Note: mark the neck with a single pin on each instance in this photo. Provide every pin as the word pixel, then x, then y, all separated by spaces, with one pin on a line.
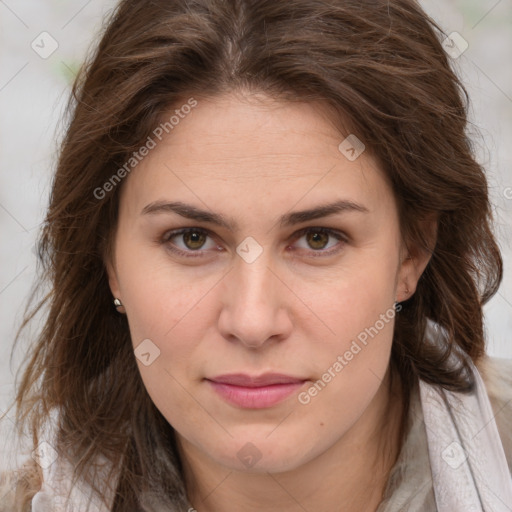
pixel 352 473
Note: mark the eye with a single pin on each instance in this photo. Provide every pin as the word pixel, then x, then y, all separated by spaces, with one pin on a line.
pixel 317 238
pixel 193 241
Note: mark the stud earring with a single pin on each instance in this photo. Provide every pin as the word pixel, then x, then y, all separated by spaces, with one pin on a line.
pixel 118 304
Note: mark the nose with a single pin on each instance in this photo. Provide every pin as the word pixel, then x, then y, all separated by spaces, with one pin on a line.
pixel 255 304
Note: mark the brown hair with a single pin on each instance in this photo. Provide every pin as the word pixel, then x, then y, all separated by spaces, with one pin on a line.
pixel 378 65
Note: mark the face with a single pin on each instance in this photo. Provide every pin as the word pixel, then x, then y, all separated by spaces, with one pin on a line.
pixel 252 287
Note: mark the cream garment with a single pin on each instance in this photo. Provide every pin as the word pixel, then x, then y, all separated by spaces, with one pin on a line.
pixel 467 459
pixel 452 460
pixel 57 494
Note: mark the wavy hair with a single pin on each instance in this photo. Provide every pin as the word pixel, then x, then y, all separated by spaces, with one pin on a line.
pixel 380 67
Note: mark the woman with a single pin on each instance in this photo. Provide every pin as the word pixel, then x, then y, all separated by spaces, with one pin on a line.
pixel 269 245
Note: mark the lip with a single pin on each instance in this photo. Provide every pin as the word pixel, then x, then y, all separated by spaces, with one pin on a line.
pixel 255 392
pixel 248 381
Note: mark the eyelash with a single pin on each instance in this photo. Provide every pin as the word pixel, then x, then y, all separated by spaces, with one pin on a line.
pixel 299 234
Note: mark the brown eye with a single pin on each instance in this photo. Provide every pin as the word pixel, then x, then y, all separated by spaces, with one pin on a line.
pixel 194 239
pixel 191 242
pixel 320 241
pixel 317 239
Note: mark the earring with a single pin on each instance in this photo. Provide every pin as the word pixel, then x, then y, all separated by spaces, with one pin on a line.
pixel 118 304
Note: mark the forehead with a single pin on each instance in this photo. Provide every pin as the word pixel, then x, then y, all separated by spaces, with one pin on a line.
pixel 254 127
pixel 257 150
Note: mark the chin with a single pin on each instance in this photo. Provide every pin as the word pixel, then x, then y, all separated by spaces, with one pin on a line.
pixel 261 454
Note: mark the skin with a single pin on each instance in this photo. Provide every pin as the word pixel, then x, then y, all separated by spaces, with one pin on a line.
pixel 253 159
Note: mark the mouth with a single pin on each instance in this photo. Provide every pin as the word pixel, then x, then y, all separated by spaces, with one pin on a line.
pixel 255 392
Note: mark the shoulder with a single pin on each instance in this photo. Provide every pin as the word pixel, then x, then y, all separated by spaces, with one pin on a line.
pixel 497 376
pixel 17 487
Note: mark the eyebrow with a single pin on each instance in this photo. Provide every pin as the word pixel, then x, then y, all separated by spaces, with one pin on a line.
pixel 289 219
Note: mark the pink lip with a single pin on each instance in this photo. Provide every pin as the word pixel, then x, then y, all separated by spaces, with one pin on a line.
pixel 255 392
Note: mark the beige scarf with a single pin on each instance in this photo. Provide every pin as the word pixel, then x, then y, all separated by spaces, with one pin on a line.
pixel 454 458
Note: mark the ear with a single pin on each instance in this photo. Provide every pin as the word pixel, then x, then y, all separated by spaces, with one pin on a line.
pixel 113 281
pixel 414 259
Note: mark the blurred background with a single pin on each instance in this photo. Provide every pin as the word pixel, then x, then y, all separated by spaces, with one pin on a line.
pixel 42 43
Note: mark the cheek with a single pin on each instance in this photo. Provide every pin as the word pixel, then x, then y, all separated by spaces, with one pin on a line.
pixel 167 317
pixel 352 360
pixel 350 375
pixel 174 329
pixel 352 299
pixel 159 296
